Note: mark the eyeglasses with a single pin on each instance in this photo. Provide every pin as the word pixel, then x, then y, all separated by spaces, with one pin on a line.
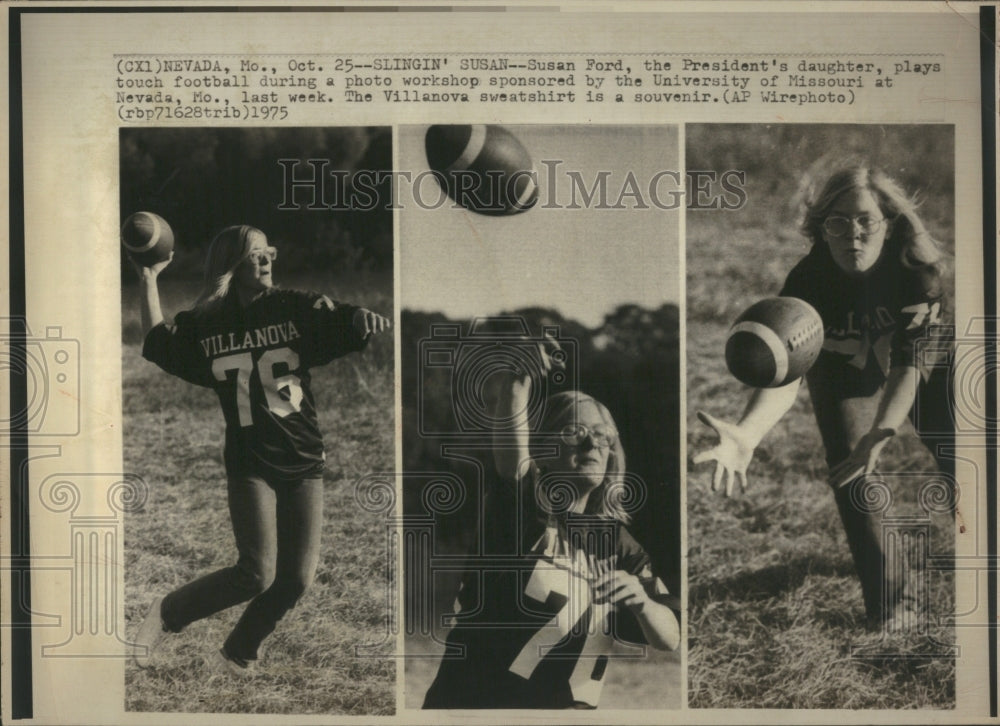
pixel 601 435
pixel 839 226
pixel 258 256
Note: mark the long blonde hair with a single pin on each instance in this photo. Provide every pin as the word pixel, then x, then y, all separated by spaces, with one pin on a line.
pixel 908 237
pixel 230 247
pixel 607 499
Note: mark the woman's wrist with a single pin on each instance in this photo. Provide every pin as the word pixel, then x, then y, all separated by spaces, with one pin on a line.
pixel 638 603
pixel 748 434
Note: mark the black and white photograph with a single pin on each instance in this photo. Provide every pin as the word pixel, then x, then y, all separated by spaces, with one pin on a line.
pixel 254 279
pixel 824 494
pixel 407 363
pixel 541 412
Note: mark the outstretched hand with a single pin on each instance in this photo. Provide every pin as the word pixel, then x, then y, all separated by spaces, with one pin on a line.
pixel 368 323
pixel 863 459
pixel 732 455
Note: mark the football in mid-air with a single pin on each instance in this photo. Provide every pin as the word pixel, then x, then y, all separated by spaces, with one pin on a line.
pixel 774 342
pixel 484 168
pixel 147 238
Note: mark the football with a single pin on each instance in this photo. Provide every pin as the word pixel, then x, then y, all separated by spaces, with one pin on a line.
pixel 147 238
pixel 484 168
pixel 774 342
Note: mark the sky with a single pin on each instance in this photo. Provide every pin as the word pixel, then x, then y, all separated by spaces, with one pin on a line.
pixel 583 262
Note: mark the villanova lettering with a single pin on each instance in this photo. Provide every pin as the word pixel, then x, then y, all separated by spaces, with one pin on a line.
pixel 881 323
pixel 256 338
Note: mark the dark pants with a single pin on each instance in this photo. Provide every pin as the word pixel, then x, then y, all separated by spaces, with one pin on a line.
pixel 277 530
pixel 845 401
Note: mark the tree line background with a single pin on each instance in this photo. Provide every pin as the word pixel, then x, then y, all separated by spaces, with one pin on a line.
pixel 630 363
pixel 203 179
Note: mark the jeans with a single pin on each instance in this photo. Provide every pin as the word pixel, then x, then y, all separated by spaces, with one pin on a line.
pixel 277 529
pixel 845 401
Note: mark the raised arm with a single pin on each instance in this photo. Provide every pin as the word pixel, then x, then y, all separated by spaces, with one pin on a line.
pixel 734 451
pixel 149 293
pixel 511 443
pixel 510 394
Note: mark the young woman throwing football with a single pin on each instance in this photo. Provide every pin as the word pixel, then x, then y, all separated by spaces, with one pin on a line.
pixel 559 577
pixel 253 344
pixel 875 275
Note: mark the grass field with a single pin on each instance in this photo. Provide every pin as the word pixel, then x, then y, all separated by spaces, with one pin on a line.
pixel 173 439
pixel 632 369
pixel 774 604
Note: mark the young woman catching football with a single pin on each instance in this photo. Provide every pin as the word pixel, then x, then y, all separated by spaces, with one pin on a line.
pixel 559 578
pixel 253 344
pixel 876 277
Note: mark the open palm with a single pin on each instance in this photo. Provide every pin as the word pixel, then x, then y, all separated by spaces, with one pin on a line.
pixel 732 454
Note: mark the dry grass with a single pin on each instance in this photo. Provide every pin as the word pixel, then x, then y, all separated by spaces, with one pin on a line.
pixel 173 439
pixel 775 611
